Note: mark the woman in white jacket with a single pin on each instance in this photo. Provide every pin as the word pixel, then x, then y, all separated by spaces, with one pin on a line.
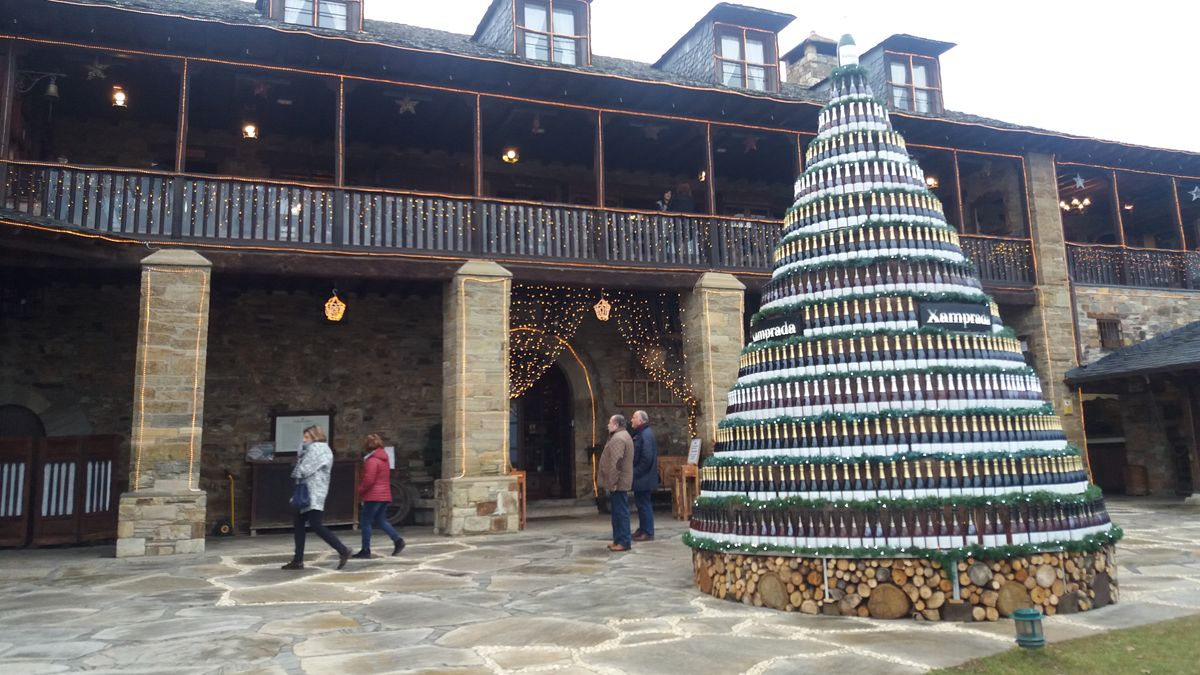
pixel 313 467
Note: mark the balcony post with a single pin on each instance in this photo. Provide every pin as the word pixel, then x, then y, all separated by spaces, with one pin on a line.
pixel 338 220
pixel 7 95
pixel 713 339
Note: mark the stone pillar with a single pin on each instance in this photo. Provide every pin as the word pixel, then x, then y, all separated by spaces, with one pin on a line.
pixel 1049 325
pixel 476 494
pixel 712 342
pixel 164 512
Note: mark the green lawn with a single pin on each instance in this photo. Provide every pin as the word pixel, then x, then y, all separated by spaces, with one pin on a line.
pixel 1167 647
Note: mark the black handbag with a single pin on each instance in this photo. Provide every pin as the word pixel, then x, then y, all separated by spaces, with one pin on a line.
pixel 300 498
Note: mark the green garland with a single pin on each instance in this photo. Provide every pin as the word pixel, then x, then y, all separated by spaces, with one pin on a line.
pixel 947 557
pixel 920 297
pixel 848 70
pixel 723 460
pixel 870 224
pixel 866 194
pixel 881 332
pixel 1092 493
pixel 1043 410
pixel 935 370
pixel 867 260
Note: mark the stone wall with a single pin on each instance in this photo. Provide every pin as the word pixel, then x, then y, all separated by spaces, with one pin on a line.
pixel 1144 313
pixel 380 369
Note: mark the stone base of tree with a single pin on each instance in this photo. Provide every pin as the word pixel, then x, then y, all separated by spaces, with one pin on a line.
pixel 160 522
pixel 467 506
pixel 894 588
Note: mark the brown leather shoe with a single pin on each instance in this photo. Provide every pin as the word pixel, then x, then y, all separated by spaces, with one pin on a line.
pixel 617 548
pixel 642 536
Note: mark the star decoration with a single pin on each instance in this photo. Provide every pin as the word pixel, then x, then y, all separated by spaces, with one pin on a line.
pixel 407 105
pixel 651 131
pixel 750 144
pixel 95 71
pixel 262 89
pixel 1079 182
pixel 1195 193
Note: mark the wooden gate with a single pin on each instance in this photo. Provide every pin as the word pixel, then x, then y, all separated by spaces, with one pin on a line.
pixel 57 490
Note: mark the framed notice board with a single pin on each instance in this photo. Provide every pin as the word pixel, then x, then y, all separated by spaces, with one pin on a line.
pixel 287 428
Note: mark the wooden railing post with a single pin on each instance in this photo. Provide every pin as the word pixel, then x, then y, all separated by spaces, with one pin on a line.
pixel 177 206
pixel 340 218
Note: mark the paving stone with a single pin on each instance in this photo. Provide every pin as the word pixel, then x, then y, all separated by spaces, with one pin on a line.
pixel 65 650
pixel 417 582
pixel 406 611
pixel 642 638
pixel 1057 629
pixel 709 625
pixel 478 564
pixel 161 583
pixel 34 667
pixel 529 631
pixel 47 617
pixel 912 644
pixel 361 642
pixel 530 657
pixel 528 584
pixel 268 670
pixel 842 662
pixel 699 655
pixel 390 661
pixel 1128 615
pixel 229 651
pixel 265 576
pixel 171 629
pixel 354 578
pixel 298 592
pixel 320 622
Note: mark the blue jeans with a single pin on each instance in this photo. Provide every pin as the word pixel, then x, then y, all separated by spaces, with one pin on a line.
pixel 373 514
pixel 645 509
pixel 619 505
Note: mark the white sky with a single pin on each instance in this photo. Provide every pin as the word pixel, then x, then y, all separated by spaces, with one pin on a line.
pixel 1123 71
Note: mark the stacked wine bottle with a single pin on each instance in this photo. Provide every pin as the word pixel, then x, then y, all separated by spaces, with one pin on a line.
pixel 882 409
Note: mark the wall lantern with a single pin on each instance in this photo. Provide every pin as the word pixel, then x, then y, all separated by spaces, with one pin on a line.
pixel 1128 206
pixel 511 156
pixel 602 309
pixel 932 182
pixel 335 309
pixel 119 98
pixel 703 176
pixel 1028 622
pixel 250 131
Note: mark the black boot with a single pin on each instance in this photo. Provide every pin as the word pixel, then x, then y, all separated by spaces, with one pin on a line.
pixel 398 547
pixel 365 553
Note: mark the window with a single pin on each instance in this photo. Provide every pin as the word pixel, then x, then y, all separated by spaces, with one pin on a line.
pixel 1110 333
pixel 552 30
pixel 746 59
pixel 319 13
pixel 914 83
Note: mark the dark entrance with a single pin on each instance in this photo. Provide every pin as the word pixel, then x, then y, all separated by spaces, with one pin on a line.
pixel 540 442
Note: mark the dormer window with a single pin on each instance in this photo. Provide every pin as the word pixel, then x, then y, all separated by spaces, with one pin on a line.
pixel 332 14
pixel 553 30
pixel 913 83
pixel 747 59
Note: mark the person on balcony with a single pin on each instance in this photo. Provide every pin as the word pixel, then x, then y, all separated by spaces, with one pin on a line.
pixel 683 201
pixel 664 204
pixel 645 474
pixel 375 492
pixel 314 464
pixel 616 477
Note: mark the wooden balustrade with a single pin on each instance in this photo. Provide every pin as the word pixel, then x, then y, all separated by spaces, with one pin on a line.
pixel 1143 268
pixel 143 204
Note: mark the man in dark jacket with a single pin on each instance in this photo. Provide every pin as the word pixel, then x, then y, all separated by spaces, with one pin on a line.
pixel 645 474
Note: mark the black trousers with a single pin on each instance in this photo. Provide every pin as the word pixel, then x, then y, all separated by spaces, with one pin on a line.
pixel 313 520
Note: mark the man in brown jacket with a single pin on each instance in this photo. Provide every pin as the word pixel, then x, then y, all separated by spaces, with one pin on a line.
pixel 616 476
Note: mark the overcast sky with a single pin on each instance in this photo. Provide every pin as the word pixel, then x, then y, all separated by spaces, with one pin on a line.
pixel 1127 71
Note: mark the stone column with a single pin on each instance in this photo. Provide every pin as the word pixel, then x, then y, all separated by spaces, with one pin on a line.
pixel 164 512
pixel 1049 325
pixel 476 494
pixel 712 342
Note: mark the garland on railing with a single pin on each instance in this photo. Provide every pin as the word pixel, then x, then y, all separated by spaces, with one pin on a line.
pixel 947 557
pixel 881 332
pixel 769 312
pixel 1041 497
pixel 932 370
pixel 1043 410
pixel 722 459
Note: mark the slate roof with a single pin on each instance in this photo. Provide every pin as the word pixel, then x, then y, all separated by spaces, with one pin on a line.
pixel 1175 350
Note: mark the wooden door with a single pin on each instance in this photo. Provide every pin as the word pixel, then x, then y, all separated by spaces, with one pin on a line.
pixel 16 480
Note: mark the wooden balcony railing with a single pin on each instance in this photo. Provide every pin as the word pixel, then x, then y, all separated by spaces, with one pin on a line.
pixel 1144 268
pixel 143 204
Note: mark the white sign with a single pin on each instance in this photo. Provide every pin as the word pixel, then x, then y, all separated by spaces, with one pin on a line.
pixel 391 453
pixel 694 452
pixel 289 430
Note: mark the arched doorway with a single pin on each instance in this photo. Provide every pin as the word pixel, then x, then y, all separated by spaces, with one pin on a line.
pixel 540 438
pixel 17 420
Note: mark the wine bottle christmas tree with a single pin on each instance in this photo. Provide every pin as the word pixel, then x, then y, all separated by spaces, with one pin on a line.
pixel 884 418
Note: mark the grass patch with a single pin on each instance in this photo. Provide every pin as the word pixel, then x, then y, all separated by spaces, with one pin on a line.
pixel 1166 647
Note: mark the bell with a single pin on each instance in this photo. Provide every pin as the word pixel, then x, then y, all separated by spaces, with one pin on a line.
pixel 52 89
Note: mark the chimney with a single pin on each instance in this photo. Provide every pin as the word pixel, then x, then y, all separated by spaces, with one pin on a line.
pixel 811 61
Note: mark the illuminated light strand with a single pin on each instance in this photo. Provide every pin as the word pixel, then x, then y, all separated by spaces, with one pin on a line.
pixel 462 382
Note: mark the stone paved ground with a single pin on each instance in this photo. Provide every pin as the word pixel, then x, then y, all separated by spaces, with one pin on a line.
pixel 550 599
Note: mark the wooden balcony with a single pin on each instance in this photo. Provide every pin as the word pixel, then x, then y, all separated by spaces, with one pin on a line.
pixel 232 212
pixel 1135 267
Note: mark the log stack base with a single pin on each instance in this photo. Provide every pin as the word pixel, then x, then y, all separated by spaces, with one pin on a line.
pixel 894 588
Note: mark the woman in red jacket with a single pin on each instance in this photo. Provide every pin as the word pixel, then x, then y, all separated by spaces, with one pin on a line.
pixel 375 491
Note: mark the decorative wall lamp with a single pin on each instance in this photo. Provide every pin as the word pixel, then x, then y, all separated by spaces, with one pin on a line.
pixel 250 131
pixel 602 308
pixel 119 98
pixel 932 182
pixel 28 79
pixel 1076 204
pixel 510 156
pixel 1028 623
pixel 335 309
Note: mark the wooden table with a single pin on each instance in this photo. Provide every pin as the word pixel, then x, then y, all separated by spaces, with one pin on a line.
pixel 685 490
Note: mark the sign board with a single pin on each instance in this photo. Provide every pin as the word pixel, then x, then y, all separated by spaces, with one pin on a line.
pixel 288 429
pixel 694 452
pixel 958 316
pixel 391 453
pixel 781 326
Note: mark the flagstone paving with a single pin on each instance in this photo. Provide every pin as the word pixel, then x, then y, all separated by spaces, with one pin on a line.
pixel 548 600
